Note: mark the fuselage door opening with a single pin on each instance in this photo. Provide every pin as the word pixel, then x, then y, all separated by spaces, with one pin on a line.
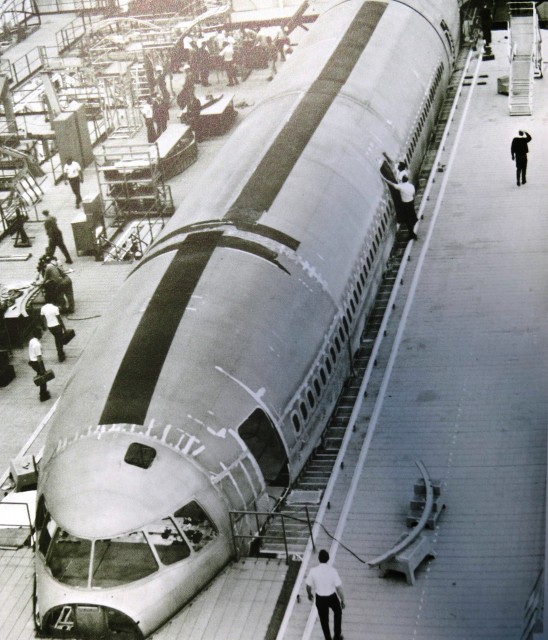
pixel 265 444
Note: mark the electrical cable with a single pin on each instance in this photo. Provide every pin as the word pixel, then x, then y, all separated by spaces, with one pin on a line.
pixel 330 535
pixel 342 544
pixel 72 318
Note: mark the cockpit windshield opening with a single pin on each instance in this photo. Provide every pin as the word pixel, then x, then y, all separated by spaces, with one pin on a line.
pixel 107 563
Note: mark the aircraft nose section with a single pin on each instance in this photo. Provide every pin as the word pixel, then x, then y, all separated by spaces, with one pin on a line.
pixel 101 487
pixel 91 622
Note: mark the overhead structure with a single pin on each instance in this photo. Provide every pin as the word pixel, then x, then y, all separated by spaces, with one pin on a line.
pixel 525 56
pixel 18 18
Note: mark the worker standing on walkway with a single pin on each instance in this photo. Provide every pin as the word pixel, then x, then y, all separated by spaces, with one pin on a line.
pixel 55 236
pixel 36 361
pixel 486 20
pixel 74 176
pixel 62 284
pixel 324 581
pixel 519 151
pixel 53 322
pixel 148 116
pixel 227 54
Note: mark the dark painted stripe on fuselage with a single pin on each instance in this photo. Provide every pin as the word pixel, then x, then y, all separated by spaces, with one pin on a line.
pixel 258 229
pixel 137 377
pixel 260 191
pixel 213 225
pixel 229 242
pixel 132 390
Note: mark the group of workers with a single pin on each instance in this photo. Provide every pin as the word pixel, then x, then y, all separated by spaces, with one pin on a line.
pixel 227 52
pixel 57 288
pixel 196 58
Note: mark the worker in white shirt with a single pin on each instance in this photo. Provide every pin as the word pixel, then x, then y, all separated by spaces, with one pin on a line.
pixel 148 116
pixel 54 322
pixel 325 582
pixel 74 176
pixel 406 213
pixel 37 362
pixel 227 54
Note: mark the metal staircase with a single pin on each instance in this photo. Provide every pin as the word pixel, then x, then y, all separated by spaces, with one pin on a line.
pixel 525 56
pixel 290 533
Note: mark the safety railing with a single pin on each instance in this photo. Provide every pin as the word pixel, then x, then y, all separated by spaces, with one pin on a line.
pixel 68 6
pixel 69 35
pixel 16 528
pixel 262 521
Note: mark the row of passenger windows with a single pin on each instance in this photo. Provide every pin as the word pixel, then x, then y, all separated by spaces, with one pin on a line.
pixel 427 104
pixel 319 382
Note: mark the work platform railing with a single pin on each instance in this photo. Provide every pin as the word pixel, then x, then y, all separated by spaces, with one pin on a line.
pixel 16 527
pixel 525 55
pixel 263 519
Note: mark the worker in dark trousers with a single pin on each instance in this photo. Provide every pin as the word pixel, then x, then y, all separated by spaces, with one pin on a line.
pixel 21 237
pixel 519 151
pixel 406 209
pixel 37 362
pixel 486 20
pixel 160 114
pixel 148 116
pixel 325 583
pixel 203 63
pixel 74 176
pixel 52 320
pixel 55 236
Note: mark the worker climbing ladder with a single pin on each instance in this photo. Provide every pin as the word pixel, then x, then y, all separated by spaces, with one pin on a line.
pixel 525 56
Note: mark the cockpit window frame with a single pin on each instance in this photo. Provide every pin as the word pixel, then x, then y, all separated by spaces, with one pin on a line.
pixel 209 519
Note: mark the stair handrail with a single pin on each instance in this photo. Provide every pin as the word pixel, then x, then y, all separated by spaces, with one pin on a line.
pixel 261 530
pixel 418 527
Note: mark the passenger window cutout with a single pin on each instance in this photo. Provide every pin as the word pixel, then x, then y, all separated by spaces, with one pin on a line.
pixel 140 455
pixel 195 525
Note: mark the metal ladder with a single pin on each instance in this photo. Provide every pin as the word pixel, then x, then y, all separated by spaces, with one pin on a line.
pixel 525 56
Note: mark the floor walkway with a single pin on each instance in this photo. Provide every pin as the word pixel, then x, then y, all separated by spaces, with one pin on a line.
pixel 465 393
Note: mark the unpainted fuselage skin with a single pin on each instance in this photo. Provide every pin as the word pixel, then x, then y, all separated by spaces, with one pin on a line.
pixel 237 326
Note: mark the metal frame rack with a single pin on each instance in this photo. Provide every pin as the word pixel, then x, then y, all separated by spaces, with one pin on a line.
pixel 18 18
pixel 131 182
pixel 19 187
